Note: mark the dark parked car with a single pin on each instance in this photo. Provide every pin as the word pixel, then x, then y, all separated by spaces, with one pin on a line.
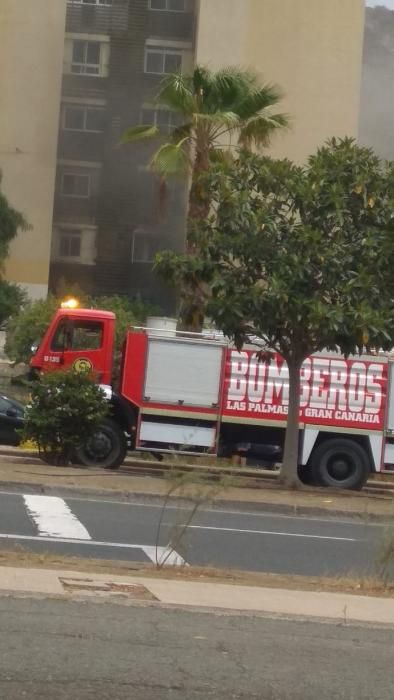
pixel 11 419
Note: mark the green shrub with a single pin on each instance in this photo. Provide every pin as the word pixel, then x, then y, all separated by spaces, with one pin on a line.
pixel 65 409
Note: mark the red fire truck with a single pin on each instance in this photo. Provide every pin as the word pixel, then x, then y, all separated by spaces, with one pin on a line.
pixel 196 394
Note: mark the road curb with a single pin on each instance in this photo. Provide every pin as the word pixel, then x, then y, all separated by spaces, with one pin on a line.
pixel 254 506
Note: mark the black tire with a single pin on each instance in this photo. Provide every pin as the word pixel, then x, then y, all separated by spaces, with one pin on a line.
pixel 305 475
pixel 340 463
pixel 107 448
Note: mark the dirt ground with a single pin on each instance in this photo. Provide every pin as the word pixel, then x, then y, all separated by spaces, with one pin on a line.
pixel 373 586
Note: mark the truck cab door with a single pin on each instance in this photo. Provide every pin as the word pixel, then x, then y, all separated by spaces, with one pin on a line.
pixel 77 343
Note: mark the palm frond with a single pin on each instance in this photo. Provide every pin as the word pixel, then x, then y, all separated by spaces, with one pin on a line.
pixel 233 75
pixel 143 132
pixel 221 156
pixel 176 92
pixel 257 100
pixel 171 159
pixel 231 85
pixel 225 119
pixel 183 131
pixel 259 131
pixel 221 90
pixel 202 80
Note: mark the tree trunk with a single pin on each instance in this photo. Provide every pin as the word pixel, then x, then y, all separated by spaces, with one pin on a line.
pixel 192 307
pixel 289 471
pixel 199 203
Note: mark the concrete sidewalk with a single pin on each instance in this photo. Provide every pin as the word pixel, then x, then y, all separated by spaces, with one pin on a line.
pixel 342 607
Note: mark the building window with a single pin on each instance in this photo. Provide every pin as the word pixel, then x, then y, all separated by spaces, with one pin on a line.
pixel 165 119
pixel 86 57
pixel 74 243
pixel 81 118
pixel 162 61
pixel 70 244
pixel 167 5
pixel 144 247
pixel 90 2
pixel 75 185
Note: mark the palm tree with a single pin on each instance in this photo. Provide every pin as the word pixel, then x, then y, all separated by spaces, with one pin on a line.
pixel 217 112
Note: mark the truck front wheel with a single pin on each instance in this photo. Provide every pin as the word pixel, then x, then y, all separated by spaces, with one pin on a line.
pixel 341 464
pixel 107 447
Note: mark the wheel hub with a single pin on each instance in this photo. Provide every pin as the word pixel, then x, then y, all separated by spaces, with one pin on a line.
pixel 99 446
pixel 340 468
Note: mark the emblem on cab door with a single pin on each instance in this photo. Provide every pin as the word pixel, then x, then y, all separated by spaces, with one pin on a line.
pixel 82 365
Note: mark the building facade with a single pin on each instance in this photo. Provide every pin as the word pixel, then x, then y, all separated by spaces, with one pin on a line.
pixel 31 59
pixel 377 92
pixel 311 48
pixel 109 218
pixel 108 222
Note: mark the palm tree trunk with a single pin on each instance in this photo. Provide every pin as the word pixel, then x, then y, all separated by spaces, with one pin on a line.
pixel 199 202
pixel 192 308
pixel 289 471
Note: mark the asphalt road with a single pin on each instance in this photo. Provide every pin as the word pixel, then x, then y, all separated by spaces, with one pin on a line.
pixel 84 651
pixel 216 537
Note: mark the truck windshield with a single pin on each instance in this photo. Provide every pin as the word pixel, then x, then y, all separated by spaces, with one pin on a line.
pixel 79 335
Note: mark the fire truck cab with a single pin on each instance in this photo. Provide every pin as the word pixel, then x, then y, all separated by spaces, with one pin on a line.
pixel 196 394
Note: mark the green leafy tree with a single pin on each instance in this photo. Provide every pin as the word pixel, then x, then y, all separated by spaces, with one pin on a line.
pixel 11 221
pixel 216 110
pixel 12 299
pixel 27 328
pixel 65 410
pixel 301 258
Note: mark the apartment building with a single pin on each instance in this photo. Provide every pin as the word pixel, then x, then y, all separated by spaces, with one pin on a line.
pixel 377 91
pixel 109 218
pixel 31 59
pixel 108 222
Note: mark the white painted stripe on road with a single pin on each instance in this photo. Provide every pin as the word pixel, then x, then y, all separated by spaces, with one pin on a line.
pixel 164 555
pixel 171 556
pixel 270 532
pixel 53 517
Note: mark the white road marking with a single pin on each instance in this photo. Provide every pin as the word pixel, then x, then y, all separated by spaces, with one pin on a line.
pixel 173 559
pixel 270 532
pixel 53 517
pixel 164 554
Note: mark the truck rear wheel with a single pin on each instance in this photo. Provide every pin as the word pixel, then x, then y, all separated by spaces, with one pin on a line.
pixel 341 464
pixel 106 448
